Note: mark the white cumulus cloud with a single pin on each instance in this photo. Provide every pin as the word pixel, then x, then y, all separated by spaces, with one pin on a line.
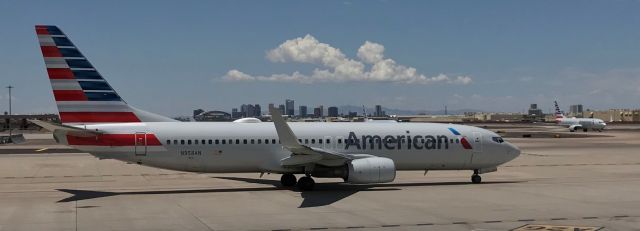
pixel 335 66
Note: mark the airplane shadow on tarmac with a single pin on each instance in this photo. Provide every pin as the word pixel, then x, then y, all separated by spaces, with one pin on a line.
pixel 323 194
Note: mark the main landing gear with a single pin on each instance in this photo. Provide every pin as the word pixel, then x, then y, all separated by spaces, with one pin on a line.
pixel 288 180
pixel 305 183
pixel 475 178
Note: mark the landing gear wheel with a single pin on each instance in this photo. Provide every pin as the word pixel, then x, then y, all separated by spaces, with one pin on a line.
pixel 288 180
pixel 306 183
pixel 476 179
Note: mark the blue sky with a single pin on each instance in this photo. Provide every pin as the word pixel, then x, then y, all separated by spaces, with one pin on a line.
pixel 172 56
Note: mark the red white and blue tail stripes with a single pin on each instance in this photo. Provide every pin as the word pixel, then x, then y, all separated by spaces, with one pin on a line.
pixel 81 94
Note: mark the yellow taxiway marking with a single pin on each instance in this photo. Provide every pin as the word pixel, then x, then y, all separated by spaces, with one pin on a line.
pixel 42 149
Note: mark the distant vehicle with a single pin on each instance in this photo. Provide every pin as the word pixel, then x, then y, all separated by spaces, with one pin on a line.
pixel 95 119
pixel 575 124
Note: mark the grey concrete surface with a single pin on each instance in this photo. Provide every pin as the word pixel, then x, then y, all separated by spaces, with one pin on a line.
pixel 570 181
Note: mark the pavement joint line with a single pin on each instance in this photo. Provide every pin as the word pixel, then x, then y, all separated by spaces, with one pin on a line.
pixel 468 223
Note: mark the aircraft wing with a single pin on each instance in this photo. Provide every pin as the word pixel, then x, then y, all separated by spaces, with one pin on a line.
pixel 75 131
pixel 302 154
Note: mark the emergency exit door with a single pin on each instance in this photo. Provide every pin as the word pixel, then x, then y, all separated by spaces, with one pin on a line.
pixel 140 144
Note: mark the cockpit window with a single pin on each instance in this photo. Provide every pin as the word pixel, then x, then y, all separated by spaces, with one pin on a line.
pixel 497 139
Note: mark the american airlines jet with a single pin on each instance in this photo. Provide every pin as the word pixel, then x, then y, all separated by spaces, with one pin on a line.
pixel 95 119
pixel 578 123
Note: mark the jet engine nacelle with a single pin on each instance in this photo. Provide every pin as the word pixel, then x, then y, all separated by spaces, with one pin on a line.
pixel 575 127
pixel 371 170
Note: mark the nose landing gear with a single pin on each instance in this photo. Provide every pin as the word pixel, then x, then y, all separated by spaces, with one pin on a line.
pixel 475 178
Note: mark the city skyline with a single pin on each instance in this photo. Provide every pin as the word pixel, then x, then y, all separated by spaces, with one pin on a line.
pixel 404 55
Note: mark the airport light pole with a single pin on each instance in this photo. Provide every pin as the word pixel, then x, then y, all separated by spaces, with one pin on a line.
pixel 10 87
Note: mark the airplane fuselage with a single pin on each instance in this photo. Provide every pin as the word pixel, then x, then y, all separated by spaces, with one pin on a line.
pixel 217 147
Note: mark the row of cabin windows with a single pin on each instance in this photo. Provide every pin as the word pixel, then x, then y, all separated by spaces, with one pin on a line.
pixel 244 141
pixel 273 141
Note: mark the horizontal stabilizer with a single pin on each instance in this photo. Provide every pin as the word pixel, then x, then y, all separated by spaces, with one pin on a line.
pixel 74 131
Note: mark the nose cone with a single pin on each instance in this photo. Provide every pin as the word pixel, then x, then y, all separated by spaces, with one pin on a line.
pixel 512 152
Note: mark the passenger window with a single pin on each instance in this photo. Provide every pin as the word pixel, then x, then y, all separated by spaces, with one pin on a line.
pixel 259 141
pixel 306 141
pixel 313 141
pixel 273 141
pixel 175 142
pixel 451 141
pixel 203 142
pixel 168 141
pixel 328 141
pixel 182 142
pixel 217 141
pixel 266 141
pixel 299 140
pixel 252 141
pixel 237 141
pixel 319 141
pixel 188 141
pixel 339 141
pixel 244 141
pixel 457 140
pixel 224 141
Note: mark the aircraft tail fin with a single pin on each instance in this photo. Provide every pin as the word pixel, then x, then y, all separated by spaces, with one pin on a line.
pixel 82 95
pixel 559 114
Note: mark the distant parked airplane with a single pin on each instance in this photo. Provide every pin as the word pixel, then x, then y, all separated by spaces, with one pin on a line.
pixel 578 123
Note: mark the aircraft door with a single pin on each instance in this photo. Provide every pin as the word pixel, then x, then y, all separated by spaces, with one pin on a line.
pixel 140 141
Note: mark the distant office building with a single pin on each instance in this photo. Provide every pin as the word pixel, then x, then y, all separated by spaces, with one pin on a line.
pixel 257 111
pixel 281 108
pixel 353 114
pixel 534 113
pixel 249 110
pixel 302 111
pixel 235 113
pixel 270 106
pixel 317 112
pixel 534 110
pixel 378 111
pixel 333 112
pixel 289 107
pixel 576 110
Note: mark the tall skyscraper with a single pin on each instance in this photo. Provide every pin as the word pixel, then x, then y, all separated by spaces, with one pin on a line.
pixel 317 112
pixel 289 107
pixel 378 112
pixel 257 112
pixel 333 112
pixel 281 108
pixel 302 111
pixel 235 113
pixel 576 110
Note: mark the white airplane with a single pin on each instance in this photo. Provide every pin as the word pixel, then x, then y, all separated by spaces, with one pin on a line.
pixel 96 120
pixel 575 124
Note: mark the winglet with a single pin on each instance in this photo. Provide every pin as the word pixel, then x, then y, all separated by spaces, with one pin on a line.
pixel 286 136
